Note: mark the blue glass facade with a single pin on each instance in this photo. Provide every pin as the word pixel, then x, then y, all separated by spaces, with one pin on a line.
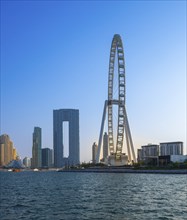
pixel 37 148
pixel 71 116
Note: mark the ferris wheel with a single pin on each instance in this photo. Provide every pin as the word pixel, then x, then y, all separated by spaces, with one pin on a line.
pixel 115 149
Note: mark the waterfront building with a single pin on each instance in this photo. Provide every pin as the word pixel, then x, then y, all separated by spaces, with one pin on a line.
pixel 36 148
pixel 148 153
pixel 46 157
pixel 7 151
pixel 150 150
pixel 27 162
pixel 178 158
pixel 105 146
pixel 167 159
pixel 72 117
pixel 94 152
pixel 171 148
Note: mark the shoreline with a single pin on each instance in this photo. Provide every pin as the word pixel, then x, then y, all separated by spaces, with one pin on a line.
pixel 109 170
pixel 116 170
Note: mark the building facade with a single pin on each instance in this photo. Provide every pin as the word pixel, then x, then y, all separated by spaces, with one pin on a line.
pixel 178 158
pixel 27 162
pixel 171 148
pixel 37 148
pixel 148 152
pixel 72 117
pixel 105 146
pixel 46 157
pixel 94 152
pixel 7 150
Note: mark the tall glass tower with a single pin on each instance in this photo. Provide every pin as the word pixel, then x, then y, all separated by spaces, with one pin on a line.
pixel 72 117
pixel 37 148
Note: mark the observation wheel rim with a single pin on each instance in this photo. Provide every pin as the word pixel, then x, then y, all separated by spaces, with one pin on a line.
pixel 116 47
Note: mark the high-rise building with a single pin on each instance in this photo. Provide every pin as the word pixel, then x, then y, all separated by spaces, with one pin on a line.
pixel 71 116
pixel 52 157
pixel 105 146
pixel 2 154
pixel 94 152
pixel 14 154
pixel 7 151
pixel 46 157
pixel 37 148
pixel 171 148
pixel 27 162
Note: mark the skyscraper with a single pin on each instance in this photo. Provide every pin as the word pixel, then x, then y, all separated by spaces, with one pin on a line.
pixel 105 146
pixel 36 148
pixel 71 116
pixel 7 151
pixel 94 152
pixel 46 157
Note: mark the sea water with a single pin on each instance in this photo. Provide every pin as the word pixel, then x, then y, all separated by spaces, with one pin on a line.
pixel 71 196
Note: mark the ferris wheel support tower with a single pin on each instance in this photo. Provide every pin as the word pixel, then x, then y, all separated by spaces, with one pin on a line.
pixel 122 124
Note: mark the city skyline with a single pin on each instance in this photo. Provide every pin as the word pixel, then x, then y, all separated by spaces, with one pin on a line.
pixel 58 59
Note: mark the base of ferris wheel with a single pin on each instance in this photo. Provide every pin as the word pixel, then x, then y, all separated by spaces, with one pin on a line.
pixel 113 161
pixel 117 158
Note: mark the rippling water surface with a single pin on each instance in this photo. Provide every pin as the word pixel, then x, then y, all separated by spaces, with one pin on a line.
pixel 55 195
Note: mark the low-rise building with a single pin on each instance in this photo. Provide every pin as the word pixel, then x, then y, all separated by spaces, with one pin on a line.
pixel 178 158
pixel 148 153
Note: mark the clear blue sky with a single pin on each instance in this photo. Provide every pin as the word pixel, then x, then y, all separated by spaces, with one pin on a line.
pixel 54 54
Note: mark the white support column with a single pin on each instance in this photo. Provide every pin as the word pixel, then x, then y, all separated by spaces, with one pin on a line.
pixel 129 137
pixel 127 142
pixel 101 131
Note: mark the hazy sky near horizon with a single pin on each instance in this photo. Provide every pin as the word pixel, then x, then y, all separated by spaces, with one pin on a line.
pixel 55 54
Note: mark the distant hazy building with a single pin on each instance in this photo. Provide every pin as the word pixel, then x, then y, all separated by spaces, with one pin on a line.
pixel 36 148
pixel 46 157
pixel 14 154
pixel 105 146
pixel 71 116
pixel 15 164
pixel 171 148
pixel 139 155
pixel 94 152
pixel 7 151
pixel 27 162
